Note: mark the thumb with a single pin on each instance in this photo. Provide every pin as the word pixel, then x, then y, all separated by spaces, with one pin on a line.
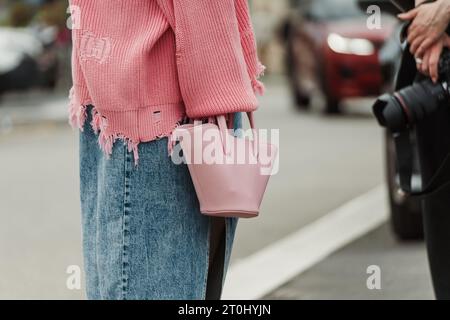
pixel 411 14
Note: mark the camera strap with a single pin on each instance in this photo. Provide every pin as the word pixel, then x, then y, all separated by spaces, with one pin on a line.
pixel 405 158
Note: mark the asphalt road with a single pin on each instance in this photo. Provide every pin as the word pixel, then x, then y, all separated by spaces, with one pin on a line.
pixel 324 162
pixel 403 272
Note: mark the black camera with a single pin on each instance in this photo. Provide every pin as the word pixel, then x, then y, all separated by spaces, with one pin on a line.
pixel 411 104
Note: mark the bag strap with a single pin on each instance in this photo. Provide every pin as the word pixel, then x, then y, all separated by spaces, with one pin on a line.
pixel 223 128
pixel 405 158
pixel 439 181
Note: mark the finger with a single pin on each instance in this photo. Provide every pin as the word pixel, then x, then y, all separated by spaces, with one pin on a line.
pixel 434 61
pixel 426 44
pixel 412 36
pixel 425 63
pixel 413 27
pixel 411 14
pixel 419 69
pixel 415 45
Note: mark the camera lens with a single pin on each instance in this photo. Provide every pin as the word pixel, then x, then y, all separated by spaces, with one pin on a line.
pixel 409 105
pixel 389 113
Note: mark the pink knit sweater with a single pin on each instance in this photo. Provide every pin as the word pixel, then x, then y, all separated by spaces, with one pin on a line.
pixel 146 64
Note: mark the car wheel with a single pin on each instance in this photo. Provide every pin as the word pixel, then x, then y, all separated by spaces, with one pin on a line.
pixel 332 106
pixel 302 102
pixel 406 214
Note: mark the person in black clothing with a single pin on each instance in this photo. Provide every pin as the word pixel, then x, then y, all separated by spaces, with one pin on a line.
pixel 426 38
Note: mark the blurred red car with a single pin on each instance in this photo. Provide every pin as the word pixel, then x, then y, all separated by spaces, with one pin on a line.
pixel 331 48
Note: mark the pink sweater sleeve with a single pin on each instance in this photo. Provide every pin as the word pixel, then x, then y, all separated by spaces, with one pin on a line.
pixel 248 42
pixel 79 93
pixel 212 81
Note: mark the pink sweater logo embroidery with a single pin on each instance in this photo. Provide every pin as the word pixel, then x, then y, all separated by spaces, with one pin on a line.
pixel 94 48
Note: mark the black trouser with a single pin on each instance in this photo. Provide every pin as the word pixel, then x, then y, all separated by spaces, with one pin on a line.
pixel 433 138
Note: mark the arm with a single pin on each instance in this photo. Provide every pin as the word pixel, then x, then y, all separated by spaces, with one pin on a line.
pixel 79 94
pixel 79 91
pixel 254 66
pixel 213 69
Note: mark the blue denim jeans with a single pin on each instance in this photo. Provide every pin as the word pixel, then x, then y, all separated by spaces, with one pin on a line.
pixel 143 234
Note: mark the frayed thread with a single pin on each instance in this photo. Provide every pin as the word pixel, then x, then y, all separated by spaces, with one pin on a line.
pixel 106 141
pixel 77 112
pixel 260 69
pixel 99 124
pixel 258 86
pixel 173 137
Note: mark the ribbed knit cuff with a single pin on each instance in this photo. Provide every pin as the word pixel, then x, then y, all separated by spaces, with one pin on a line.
pixel 81 95
pixel 222 105
pixel 78 100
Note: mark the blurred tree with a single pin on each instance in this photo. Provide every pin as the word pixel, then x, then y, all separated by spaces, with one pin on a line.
pixel 20 14
pixel 3 13
pixel 53 13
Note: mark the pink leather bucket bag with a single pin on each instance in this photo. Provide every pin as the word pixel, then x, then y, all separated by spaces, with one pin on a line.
pixel 230 173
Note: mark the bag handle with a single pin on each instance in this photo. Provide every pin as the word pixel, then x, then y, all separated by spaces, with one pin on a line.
pixel 250 117
pixel 223 129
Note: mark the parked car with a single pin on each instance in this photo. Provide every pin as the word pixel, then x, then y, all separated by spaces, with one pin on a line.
pixel 330 49
pixel 27 59
pixel 406 212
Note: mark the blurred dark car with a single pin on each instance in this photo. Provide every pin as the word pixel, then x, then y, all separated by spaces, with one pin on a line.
pixel 331 49
pixel 27 59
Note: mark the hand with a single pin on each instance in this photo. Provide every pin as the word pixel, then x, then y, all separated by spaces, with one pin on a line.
pixel 429 22
pixel 430 60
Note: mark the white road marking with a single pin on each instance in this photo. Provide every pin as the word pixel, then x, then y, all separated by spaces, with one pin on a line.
pixel 257 275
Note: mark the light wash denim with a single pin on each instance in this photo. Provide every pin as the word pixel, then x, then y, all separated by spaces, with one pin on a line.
pixel 143 234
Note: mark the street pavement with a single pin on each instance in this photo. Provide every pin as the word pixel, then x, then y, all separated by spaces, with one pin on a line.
pixel 325 161
pixel 30 108
pixel 343 275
